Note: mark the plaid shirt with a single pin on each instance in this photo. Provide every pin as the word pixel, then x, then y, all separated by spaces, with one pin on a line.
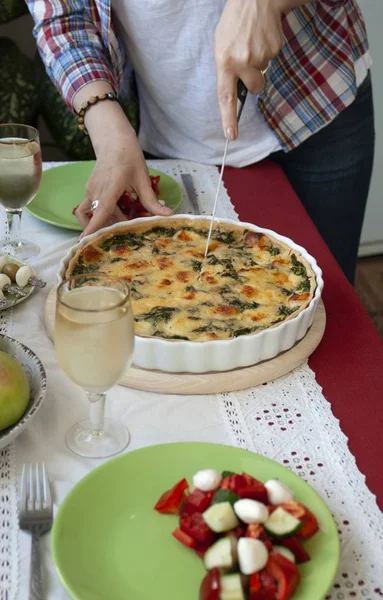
pixel 308 84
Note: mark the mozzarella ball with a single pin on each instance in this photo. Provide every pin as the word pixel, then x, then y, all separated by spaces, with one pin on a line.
pixel 252 555
pixel 23 275
pixel 207 480
pixel 251 511
pixel 4 280
pixel 278 492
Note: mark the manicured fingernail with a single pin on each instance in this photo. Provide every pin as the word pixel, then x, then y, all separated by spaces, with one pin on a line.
pixel 230 134
pixel 81 236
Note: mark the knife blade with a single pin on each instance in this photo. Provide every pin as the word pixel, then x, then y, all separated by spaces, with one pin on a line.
pixel 187 180
pixel 241 97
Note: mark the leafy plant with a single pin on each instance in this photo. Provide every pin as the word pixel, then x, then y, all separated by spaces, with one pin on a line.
pixel 19 95
pixel 11 9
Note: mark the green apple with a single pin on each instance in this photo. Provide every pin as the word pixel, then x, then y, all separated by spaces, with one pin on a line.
pixel 14 391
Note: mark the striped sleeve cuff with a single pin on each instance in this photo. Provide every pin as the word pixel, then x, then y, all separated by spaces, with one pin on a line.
pixel 75 68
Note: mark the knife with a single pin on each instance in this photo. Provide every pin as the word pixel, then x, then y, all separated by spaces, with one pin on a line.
pixel 187 180
pixel 241 97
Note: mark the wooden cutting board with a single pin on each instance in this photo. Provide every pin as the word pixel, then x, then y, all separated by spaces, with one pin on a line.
pixel 213 382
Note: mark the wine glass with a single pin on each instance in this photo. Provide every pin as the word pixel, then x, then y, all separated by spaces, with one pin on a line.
pixel 20 176
pixel 94 339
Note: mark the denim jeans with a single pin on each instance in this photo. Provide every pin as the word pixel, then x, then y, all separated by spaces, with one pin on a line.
pixel 331 173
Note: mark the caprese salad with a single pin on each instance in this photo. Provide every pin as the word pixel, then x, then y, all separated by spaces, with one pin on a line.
pixel 248 533
pixel 130 204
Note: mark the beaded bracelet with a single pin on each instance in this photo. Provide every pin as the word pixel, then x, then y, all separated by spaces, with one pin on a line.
pixel 86 105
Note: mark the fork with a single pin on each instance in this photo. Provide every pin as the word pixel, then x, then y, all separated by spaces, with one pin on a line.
pixel 35 516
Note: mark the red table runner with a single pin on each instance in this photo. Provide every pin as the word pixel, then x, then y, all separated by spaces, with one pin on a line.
pixel 349 361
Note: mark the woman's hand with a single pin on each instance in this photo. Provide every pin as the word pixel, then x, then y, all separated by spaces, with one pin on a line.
pixel 247 37
pixel 120 166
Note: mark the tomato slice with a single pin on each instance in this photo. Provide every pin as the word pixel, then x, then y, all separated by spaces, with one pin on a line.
pixel 184 538
pixel 294 508
pixel 200 549
pixel 309 521
pixel 285 573
pixel 198 501
pixel 262 586
pixel 293 544
pixel 171 501
pixel 155 180
pixel 253 489
pixel 195 526
pixel 210 586
pixel 238 532
pixel 233 483
pixel 310 525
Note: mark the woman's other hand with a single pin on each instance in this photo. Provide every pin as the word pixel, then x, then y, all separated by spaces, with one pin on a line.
pixel 120 165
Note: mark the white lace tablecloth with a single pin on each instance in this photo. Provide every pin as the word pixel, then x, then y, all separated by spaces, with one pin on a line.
pixel 288 420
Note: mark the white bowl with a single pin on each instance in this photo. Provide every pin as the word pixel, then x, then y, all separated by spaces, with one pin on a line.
pixel 35 372
pixel 219 355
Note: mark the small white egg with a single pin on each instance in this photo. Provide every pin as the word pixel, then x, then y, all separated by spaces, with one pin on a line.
pixel 278 492
pixel 4 280
pixel 251 511
pixel 207 480
pixel 252 555
pixel 3 262
pixel 23 275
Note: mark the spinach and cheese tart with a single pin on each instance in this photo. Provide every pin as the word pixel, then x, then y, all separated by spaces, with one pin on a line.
pixel 248 282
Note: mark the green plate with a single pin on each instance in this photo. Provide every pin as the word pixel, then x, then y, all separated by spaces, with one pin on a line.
pixel 63 188
pixel 109 543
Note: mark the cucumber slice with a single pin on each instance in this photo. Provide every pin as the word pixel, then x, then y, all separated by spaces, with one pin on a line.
pixel 225 496
pixel 285 552
pixel 222 554
pixel 220 517
pixel 281 524
pixel 231 587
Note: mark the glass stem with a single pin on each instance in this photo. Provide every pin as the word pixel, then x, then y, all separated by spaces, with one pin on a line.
pixel 96 413
pixel 14 224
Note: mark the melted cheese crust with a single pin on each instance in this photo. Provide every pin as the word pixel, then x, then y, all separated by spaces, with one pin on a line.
pixel 248 282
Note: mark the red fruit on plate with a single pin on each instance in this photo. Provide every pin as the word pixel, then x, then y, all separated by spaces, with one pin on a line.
pixel 233 483
pixel 257 532
pixel 293 544
pixel 155 180
pixel 195 526
pixel 184 538
pixel 172 500
pixel 309 521
pixel 285 573
pixel 210 586
pixel 198 501
pixel 262 586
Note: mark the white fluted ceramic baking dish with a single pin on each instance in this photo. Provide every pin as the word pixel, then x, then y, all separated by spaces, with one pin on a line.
pixel 219 355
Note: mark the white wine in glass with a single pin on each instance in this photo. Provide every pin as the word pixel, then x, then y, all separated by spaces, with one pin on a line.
pixel 20 177
pixel 94 339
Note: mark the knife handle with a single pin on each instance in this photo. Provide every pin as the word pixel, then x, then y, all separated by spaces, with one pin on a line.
pixel 241 97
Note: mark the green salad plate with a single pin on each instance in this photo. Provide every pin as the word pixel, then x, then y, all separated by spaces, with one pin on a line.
pixel 108 543
pixel 63 187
